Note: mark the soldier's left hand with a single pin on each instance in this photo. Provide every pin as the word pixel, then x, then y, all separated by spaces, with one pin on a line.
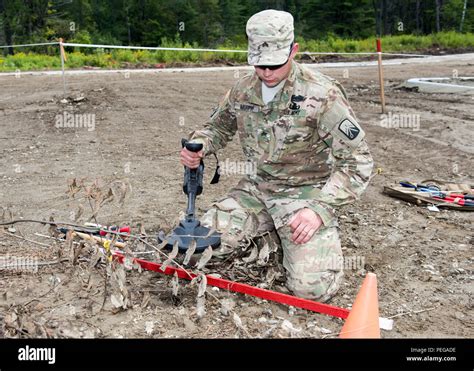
pixel 303 225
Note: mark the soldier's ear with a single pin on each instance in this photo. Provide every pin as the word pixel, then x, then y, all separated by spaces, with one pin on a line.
pixel 295 49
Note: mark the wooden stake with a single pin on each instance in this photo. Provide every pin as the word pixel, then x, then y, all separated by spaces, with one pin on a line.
pixel 382 91
pixel 63 58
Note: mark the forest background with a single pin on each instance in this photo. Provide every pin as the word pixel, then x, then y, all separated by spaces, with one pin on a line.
pixel 424 26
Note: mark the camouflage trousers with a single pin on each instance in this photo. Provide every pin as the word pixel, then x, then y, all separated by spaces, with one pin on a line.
pixel 313 270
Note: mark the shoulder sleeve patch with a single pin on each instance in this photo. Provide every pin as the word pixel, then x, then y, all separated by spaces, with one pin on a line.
pixel 350 130
pixel 338 121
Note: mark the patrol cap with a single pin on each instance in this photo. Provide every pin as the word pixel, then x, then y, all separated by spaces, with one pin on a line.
pixel 270 35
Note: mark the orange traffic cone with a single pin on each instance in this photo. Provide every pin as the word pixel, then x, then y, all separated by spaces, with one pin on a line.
pixel 363 320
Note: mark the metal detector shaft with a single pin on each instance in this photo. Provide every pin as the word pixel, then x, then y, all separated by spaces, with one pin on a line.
pixel 192 186
pixel 190 210
pixel 193 183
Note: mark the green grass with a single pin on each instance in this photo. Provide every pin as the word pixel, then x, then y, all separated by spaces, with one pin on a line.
pixel 121 58
pixel 400 43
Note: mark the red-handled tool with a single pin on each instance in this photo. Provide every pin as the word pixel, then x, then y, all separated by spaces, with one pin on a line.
pixel 456 195
pixel 455 200
pixel 124 231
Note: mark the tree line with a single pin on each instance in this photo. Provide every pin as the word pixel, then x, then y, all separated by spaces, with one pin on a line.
pixel 211 23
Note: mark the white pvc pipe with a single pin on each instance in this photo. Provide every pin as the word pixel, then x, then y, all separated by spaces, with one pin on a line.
pixel 431 85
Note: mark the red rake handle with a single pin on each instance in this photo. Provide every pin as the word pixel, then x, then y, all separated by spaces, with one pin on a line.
pixel 249 290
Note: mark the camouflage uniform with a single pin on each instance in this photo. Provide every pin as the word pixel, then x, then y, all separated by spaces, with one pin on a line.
pixel 309 152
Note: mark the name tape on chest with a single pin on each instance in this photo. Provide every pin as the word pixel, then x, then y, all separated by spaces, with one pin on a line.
pixel 247 107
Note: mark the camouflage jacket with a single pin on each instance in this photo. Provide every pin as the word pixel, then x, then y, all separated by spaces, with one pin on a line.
pixel 306 143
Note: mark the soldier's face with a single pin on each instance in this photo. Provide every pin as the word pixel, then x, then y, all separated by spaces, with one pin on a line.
pixel 272 77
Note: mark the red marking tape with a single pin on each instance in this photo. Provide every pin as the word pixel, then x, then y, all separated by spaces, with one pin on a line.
pixel 379 46
pixel 247 289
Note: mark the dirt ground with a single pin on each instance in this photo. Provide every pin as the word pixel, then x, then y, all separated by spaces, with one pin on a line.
pixel 423 259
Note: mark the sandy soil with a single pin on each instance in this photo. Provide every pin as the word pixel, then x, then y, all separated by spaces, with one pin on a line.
pixel 423 260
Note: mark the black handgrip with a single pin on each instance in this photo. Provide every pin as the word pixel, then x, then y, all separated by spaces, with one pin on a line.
pixel 193 147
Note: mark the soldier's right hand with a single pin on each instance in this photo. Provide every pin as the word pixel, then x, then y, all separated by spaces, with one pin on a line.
pixel 191 159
